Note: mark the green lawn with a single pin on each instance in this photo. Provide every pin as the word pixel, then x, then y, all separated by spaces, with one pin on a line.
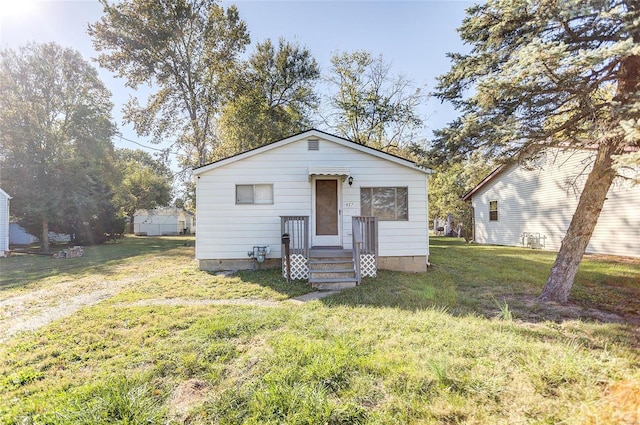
pixel 464 343
pixel 23 270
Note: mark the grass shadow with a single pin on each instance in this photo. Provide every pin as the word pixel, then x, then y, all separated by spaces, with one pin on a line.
pixel 23 269
pixel 483 280
pixel 273 279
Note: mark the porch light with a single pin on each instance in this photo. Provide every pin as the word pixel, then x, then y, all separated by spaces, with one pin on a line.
pixel 350 180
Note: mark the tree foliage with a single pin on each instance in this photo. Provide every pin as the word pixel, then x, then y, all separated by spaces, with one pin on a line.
pixel 146 182
pixel 188 50
pixel 370 105
pixel 550 73
pixel 449 183
pixel 273 97
pixel 55 142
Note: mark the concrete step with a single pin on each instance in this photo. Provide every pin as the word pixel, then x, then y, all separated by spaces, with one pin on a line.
pixel 331 263
pixel 318 261
pixel 330 253
pixel 332 270
pixel 333 283
pixel 329 274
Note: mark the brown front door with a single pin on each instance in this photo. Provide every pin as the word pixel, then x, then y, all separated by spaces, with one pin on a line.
pixel 327 218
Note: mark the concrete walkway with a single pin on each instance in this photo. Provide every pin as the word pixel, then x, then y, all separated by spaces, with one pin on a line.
pixel 311 296
pixel 22 313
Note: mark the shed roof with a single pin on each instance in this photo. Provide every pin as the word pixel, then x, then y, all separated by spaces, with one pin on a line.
pixel 2 192
pixel 306 135
pixel 170 211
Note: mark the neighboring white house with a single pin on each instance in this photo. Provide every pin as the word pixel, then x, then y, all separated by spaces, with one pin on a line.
pixel 18 235
pixel 310 186
pixel 167 221
pixel 533 206
pixel 4 222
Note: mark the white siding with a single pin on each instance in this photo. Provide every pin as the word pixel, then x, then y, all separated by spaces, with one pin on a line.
pixel 4 222
pixel 229 231
pixel 19 236
pixel 544 200
pixel 157 222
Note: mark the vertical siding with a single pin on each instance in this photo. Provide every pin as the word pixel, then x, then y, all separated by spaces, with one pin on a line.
pixel 229 231
pixel 544 200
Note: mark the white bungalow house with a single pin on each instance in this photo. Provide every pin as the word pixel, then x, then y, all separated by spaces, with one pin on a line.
pixel 331 196
pixel 533 206
pixel 4 222
pixel 163 221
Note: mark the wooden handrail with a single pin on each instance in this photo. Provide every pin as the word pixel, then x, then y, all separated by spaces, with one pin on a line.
pixel 297 226
pixel 356 236
pixel 368 228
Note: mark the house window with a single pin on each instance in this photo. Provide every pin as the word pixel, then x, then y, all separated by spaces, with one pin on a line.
pixel 385 203
pixel 493 210
pixel 258 194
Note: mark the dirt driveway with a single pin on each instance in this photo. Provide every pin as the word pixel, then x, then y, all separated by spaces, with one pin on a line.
pixel 31 310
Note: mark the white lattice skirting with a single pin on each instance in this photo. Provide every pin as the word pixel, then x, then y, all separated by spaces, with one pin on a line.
pixel 368 265
pixel 299 267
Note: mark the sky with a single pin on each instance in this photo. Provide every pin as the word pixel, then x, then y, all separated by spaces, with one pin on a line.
pixel 414 36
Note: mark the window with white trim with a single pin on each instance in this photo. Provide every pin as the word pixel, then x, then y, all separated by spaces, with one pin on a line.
pixel 254 194
pixel 385 203
pixel 493 210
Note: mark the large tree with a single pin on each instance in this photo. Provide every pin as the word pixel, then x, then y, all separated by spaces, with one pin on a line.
pixel 55 140
pixel 187 50
pixel 551 73
pixel 146 182
pixel 449 183
pixel 274 97
pixel 371 105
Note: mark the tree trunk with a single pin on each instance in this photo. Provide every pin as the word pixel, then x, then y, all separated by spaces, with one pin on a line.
pixel 45 234
pixel 583 223
pixel 131 224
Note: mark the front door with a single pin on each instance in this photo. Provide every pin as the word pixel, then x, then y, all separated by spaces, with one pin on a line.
pixel 326 226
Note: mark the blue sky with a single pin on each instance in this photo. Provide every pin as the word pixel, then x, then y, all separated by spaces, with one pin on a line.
pixel 413 35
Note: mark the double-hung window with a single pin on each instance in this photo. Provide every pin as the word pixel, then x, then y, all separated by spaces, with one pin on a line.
pixel 385 203
pixel 493 210
pixel 257 194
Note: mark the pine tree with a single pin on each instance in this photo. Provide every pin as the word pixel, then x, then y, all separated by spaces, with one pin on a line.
pixel 550 73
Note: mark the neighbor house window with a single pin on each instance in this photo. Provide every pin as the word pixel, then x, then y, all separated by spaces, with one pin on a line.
pixel 493 210
pixel 254 194
pixel 385 203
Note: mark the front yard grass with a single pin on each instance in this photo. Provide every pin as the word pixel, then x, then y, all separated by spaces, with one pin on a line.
pixel 463 343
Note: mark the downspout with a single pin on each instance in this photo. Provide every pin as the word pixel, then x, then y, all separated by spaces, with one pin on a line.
pixel 473 223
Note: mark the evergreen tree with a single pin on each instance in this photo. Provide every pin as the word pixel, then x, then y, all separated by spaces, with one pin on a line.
pixel 550 73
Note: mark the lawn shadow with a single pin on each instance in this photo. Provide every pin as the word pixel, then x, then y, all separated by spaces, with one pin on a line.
pixel 490 281
pixel 24 269
pixel 272 278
